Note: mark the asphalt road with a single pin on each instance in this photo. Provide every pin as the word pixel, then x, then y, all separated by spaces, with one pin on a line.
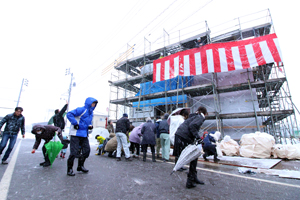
pixel 109 179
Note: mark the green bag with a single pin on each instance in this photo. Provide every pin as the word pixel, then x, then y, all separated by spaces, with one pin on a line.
pixel 52 149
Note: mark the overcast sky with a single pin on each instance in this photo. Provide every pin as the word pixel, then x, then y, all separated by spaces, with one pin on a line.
pixel 40 39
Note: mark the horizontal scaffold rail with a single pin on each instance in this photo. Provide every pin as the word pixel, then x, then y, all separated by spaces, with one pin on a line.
pixel 200 90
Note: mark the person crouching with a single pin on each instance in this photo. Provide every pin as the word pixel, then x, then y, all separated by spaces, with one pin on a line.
pixel 209 146
pixel 46 133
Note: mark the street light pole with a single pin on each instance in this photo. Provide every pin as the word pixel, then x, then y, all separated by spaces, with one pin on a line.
pixel 70 89
pixel 24 82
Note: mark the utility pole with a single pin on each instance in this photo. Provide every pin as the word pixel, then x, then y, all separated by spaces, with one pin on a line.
pixel 70 88
pixel 24 82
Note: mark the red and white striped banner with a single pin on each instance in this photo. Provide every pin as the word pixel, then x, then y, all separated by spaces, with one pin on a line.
pixel 219 57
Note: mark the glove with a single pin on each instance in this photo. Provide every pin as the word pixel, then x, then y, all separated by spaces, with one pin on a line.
pixel 76 126
pixel 91 127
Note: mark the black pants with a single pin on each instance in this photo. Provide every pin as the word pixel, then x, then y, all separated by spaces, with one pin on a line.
pixel 210 150
pixel 44 152
pixel 145 146
pixel 79 148
pixel 134 146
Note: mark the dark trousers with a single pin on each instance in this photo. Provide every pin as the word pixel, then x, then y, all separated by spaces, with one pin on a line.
pixel 210 150
pixel 79 148
pixel 44 152
pixel 145 146
pixel 12 141
pixel 134 146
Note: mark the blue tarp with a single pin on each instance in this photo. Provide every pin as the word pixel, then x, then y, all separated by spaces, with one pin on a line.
pixel 161 86
pixel 161 101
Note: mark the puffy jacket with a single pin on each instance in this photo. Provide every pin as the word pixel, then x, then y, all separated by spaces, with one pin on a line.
pixel 189 128
pixel 136 134
pixel 208 140
pixel 163 125
pixel 122 125
pixel 83 117
pixel 148 131
pixel 47 134
pixel 13 124
pixel 58 119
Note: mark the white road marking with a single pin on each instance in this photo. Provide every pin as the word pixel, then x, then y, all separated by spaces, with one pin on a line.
pixel 5 181
pixel 245 177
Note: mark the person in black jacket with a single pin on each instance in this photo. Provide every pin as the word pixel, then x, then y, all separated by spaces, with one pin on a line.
pixel 186 134
pixel 122 130
pixel 58 118
pixel 164 138
pixel 148 131
pixel 14 122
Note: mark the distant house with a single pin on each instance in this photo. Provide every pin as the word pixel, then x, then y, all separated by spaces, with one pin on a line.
pixel 99 119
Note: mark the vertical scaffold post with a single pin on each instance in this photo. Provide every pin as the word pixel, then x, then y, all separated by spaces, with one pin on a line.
pixel 250 88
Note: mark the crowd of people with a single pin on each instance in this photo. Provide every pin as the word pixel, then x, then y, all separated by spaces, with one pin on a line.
pixel 122 140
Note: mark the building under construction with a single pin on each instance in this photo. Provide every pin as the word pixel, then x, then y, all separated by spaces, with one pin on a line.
pixel 239 101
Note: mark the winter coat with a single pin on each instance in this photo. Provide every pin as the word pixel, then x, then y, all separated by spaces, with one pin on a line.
pixel 47 134
pixel 189 128
pixel 136 134
pixel 163 125
pixel 148 131
pixel 157 128
pixel 122 125
pixel 111 145
pixel 58 119
pixel 13 124
pixel 65 142
pixel 110 128
pixel 83 117
pixel 208 140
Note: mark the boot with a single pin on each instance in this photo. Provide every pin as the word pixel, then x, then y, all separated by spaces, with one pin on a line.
pixel 70 172
pixel 196 180
pixel 144 156
pixel 128 159
pixel 61 154
pixel 80 165
pixel 204 156
pixel 153 157
pixel 158 156
pixel 42 163
pixel 190 182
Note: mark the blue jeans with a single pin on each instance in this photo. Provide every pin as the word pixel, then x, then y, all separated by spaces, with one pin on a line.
pixel 12 141
pixel 122 142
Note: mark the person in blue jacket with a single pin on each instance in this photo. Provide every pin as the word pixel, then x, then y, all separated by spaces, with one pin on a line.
pixel 81 122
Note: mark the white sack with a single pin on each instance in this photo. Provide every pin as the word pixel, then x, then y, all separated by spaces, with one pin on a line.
pixel 229 147
pixel 175 122
pixel 256 145
pixel 288 151
pixel 219 151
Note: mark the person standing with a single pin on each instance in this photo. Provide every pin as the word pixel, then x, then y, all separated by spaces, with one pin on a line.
pixel 164 138
pixel 148 131
pixel 14 122
pixel 46 133
pixel 58 118
pixel 186 134
pixel 158 145
pixel 81 122
pixel 110 127
pixel 122 130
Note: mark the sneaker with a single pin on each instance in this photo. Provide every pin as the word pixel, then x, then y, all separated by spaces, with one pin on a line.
pixel 128 159
pixel 4 162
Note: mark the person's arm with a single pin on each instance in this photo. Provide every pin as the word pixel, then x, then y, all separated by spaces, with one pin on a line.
pixel 74 113
pixel 195 126
pixel 23 127
pixel 63 110
pixel 58 130
pixel 36 144
pixel 3 121
pixel 50 121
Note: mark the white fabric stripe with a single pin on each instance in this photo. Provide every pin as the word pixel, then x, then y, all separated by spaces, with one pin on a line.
pixel 158 66
pixel 186 65
pixel 167 69
pixel 198 63
pixel 251 56
pixel 266 52
pixel 176 66
pixel 223 60
pixel 236 58
pixel 278 48
pixel 210 61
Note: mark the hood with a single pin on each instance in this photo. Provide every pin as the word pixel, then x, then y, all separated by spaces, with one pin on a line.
pixel 35 127
pixel 166 115
pixel 159 120
pixel 216 135
pixel 88 103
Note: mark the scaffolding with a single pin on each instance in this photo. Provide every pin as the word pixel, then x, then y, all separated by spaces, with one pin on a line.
pixel 265 87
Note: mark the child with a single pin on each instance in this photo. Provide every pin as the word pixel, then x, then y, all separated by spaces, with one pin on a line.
pixel 65 142
pixel 100 139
